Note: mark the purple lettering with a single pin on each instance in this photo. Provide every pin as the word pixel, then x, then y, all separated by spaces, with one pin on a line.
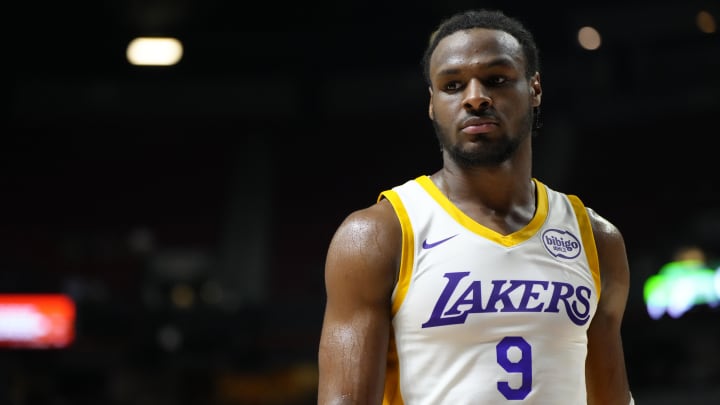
pixel 498 294
pixel 529 293
pixel 471 296
pixel 575 301
pixel 563 292
pixel 436 318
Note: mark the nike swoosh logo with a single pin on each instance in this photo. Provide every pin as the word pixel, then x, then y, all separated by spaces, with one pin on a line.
pixel 427 245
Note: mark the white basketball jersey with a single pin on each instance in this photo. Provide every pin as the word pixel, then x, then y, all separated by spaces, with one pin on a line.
pixel 485 318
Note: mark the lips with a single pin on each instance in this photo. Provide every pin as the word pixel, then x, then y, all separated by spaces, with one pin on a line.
pixel 478 125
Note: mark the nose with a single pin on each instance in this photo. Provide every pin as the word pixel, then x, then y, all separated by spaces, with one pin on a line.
pixel 476 96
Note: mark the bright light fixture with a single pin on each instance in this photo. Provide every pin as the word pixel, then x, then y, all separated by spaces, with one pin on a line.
pixel 154 51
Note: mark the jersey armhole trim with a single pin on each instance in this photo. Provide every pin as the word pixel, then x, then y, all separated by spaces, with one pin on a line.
pixel 407 255
pixel 586 233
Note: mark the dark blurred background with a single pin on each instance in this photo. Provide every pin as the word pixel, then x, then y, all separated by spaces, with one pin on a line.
pixel 187 209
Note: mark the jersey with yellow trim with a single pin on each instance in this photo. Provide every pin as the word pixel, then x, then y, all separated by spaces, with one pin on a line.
pixel 485 318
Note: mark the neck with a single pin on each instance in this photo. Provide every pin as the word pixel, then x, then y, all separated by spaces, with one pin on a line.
pixel 503 189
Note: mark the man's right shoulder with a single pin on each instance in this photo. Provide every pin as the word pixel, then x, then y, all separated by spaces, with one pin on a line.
pixel 368 242
pixel 373 218
pixel 376 227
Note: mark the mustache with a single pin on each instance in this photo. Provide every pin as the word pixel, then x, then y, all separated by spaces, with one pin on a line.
pixel 483 113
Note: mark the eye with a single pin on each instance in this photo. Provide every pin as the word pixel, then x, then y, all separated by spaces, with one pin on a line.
pixel 452 86
pixel 497 80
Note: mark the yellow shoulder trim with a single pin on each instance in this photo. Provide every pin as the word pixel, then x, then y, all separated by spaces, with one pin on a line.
pixel 392 395
pixel 588 239
pixel 407 255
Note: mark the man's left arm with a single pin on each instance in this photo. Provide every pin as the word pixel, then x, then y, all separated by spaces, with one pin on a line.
pixel 605 371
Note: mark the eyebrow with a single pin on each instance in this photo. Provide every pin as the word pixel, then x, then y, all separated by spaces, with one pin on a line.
pixel 501 62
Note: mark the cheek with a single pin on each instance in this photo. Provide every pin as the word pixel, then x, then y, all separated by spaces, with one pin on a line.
pixel 444 107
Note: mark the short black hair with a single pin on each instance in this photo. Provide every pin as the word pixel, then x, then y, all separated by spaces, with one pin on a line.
pixel 484 18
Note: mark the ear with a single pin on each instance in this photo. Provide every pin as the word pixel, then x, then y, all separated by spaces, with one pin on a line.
pixel 431 113
pixel 535 90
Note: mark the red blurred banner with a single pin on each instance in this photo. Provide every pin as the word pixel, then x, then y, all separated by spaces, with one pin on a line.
pixel 37 321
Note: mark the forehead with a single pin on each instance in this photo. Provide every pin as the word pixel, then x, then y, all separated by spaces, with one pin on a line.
pixel 477 45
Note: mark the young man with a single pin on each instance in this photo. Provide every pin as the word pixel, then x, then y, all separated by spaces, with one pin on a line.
pixel 477 284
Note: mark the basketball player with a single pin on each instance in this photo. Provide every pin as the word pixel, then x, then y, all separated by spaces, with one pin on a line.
pixel 477 284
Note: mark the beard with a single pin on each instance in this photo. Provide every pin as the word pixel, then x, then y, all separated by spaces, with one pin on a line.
pixel 485 152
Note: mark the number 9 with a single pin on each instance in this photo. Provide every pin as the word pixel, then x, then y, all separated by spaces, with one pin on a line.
pixel 522 366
